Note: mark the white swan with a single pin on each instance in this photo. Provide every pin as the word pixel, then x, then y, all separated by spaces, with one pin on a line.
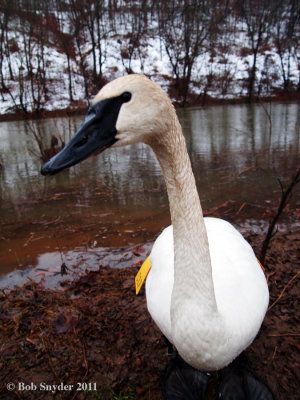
pixel 206 290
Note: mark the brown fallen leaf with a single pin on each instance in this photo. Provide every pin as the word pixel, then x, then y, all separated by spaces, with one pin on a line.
pixel 64 323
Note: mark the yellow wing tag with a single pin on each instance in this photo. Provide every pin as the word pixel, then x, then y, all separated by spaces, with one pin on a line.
pixel 142 275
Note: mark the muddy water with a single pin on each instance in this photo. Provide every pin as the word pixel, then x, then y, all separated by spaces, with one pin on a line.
pixel 118 199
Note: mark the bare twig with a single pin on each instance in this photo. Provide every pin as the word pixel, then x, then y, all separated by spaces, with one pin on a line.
pixel 49 362
pixel 85 362
pixel 240 209
pixel 75 395
pixel 283 290
pixel 215 209
pixel 59 249
pixel 274 353
pixel 285 197
pixel 283 334
pixel 86 369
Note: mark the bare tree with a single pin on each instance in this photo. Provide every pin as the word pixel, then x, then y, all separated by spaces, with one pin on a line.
pixel 186 27
pixel 258 17
pixel 6 13
pixel 286 37
pixel 34 72
pixel 75 17
pixel 92 15
pixel 134 23
pixel 59 26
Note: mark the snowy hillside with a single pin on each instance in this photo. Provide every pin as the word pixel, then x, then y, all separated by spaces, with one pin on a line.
pixel 58 57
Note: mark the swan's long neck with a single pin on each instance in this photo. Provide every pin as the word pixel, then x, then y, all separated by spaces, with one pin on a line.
pixel 194 313
pixel 192 265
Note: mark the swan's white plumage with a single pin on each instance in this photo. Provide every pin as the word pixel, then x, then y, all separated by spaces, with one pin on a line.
pixel 241 292
pixel 205 290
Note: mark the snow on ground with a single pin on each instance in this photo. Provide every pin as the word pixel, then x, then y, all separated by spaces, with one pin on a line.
pixel 152 60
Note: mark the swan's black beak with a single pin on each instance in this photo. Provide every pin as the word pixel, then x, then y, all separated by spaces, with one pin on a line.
pixel 96 134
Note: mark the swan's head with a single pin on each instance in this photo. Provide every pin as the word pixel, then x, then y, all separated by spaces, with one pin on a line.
pixel 127 110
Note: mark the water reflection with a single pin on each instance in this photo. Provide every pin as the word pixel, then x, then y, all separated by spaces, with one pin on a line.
pixel 237 153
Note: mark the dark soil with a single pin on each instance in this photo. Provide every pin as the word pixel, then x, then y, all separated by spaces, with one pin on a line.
pixel 96 331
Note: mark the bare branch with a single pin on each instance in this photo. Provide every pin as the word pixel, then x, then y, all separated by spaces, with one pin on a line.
pixel 285 197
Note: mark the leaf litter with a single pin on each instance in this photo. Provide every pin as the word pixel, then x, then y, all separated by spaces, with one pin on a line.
pixel 95 330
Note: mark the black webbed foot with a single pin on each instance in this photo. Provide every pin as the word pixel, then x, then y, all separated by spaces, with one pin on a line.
pixel 239 383
pixel 183 382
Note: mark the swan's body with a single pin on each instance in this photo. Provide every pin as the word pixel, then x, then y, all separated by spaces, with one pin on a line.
pixel 241 300
pixel 206 290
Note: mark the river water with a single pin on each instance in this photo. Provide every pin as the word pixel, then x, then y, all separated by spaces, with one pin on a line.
pixel 118 199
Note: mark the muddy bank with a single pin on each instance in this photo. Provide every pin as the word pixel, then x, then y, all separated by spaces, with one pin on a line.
pixel 35 250
pixel 97 333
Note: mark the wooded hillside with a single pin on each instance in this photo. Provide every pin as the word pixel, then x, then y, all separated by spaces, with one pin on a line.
pixel 56 52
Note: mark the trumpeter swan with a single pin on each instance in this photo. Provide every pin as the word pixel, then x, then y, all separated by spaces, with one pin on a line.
pixel 206 290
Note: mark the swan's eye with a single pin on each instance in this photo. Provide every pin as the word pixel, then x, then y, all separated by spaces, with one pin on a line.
pixel 126 96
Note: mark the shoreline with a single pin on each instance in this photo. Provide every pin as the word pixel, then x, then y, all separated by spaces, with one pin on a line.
pixel 77 108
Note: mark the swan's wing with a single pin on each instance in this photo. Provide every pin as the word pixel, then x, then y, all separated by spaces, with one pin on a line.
pixel 240 286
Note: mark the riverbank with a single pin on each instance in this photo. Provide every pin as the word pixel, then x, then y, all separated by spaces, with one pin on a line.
pixel 97 332
pixel 194 100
